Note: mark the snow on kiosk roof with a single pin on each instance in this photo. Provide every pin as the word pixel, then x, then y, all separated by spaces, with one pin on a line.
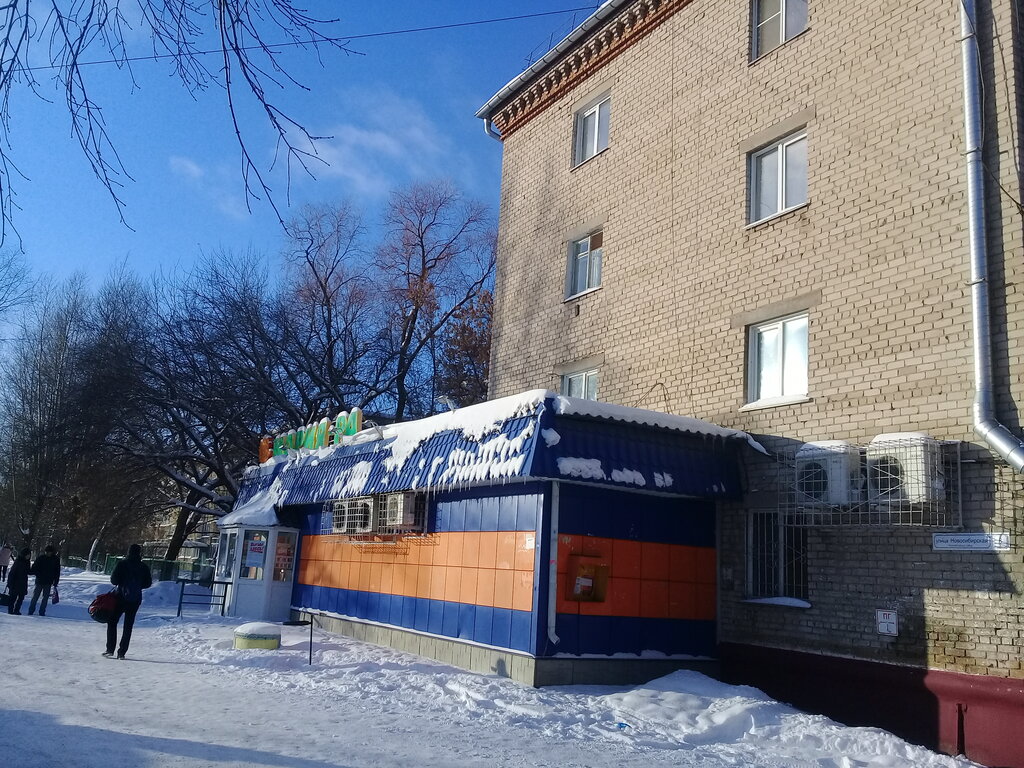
pixel 533 435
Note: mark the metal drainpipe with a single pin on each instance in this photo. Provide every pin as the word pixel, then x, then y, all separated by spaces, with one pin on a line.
pixel 553 567
pixel 490 130
pixel 998 437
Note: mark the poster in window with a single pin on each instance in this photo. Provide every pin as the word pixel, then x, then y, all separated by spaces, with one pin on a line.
pixel 254 553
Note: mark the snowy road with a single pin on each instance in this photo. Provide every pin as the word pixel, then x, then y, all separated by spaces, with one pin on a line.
pixel 186 699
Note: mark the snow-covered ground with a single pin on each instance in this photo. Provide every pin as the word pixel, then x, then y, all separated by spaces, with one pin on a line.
pixel 185 698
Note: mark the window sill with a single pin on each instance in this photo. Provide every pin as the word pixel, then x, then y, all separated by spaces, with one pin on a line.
pixel 775 402
pixel 778 47
pixel 589 159
pixel 786 602
pixel 581 294
pixel 779 215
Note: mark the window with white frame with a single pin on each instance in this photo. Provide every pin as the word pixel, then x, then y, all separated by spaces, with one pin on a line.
pixel 778 177
pixel 775 22
pixel 581 384
pixel 776 557
pixel 777 359
pixel 592 129
pixel 585 257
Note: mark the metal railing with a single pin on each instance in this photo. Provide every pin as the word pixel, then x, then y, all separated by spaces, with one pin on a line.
pixel 212 599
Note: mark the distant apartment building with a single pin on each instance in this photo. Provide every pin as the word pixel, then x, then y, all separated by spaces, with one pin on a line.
pixel 802 220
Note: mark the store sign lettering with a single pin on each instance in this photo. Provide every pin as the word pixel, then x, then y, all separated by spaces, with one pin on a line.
pixel 319 434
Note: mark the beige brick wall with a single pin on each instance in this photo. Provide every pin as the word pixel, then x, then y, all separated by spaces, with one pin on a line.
pixel 882 245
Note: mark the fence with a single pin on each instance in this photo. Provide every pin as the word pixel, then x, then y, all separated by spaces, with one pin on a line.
pixel 169 570
pixel 217 597
pixel 81 562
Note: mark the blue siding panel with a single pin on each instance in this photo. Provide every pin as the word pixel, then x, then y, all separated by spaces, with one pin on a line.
pixel 522 632
pixel 482 624
pixel 422 614
pixel 435 617
pixel 624 634
pixel 489 514
pixel 607 513
pixel 467 621
pixel 501 627
pixel 450 622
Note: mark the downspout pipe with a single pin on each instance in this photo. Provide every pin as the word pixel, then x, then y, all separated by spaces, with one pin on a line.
pixel 987 426
pixel 490 130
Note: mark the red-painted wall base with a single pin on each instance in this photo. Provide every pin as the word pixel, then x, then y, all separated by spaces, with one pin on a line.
pixel 979 716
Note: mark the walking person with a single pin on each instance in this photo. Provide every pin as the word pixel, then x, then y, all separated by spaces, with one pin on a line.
pixel 17 581
pixel 6 554
pixel 46 569
pixel 130 576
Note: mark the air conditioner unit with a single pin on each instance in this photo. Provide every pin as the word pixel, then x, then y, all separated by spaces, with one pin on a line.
pixel 905 467
pixel 353 516
pixel 828 472
pixel 404 511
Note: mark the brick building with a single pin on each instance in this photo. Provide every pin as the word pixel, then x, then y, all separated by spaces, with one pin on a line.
pixel 759 216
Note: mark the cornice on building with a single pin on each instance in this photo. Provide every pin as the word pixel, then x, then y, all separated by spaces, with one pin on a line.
pixel 527 96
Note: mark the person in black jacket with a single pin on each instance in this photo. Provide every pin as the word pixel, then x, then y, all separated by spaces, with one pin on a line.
pixel 17 581
pixel 130 576
pixel 46 569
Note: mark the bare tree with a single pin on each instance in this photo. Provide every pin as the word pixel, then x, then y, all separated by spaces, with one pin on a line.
pixel 328 307
pixel 40 415
pixel 242 38
pixel 437 256
pixel 464 359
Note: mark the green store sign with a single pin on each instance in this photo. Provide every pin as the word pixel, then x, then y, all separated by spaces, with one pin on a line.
pixel 319 434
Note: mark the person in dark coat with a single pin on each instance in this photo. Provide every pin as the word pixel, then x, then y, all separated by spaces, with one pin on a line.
pixel 17 581
pixel 6 555
pixel 46 569
pixel 130 576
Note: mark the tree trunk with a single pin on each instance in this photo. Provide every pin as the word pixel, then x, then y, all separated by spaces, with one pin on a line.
pixel 180 532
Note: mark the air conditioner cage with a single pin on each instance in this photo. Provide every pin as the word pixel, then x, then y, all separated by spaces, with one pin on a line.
pixel 905 468
pixel 897 479
pixel 352 516
pixel 829 473
pixel 403 512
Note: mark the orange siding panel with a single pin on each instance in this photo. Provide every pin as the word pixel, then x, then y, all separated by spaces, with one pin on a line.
pixel 488 545
pixel 485 586
pixel 467 592
pixel 654 599
pixel 525 558
pixel 654 561
pixel 522 591
pixel 505 555
pixel 452 584
pixel 626 559
pixel 503 581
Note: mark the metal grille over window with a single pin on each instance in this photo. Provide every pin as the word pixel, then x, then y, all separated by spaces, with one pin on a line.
pixel 778 557
pixel 897 479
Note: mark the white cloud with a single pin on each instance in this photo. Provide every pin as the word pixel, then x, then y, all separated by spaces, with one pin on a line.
pixel 386 141
pixel 183 166
pixel 218 186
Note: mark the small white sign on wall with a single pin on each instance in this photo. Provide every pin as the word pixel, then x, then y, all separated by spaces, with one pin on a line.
pixel 888 622
pixel 971 542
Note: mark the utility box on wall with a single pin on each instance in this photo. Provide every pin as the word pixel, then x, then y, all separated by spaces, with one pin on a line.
pixel 588 579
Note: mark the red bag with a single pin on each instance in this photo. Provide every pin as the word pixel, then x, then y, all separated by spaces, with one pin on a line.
pixel 55 598
pixel 104 607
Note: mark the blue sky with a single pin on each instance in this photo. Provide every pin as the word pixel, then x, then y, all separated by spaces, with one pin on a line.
pixel 402 111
